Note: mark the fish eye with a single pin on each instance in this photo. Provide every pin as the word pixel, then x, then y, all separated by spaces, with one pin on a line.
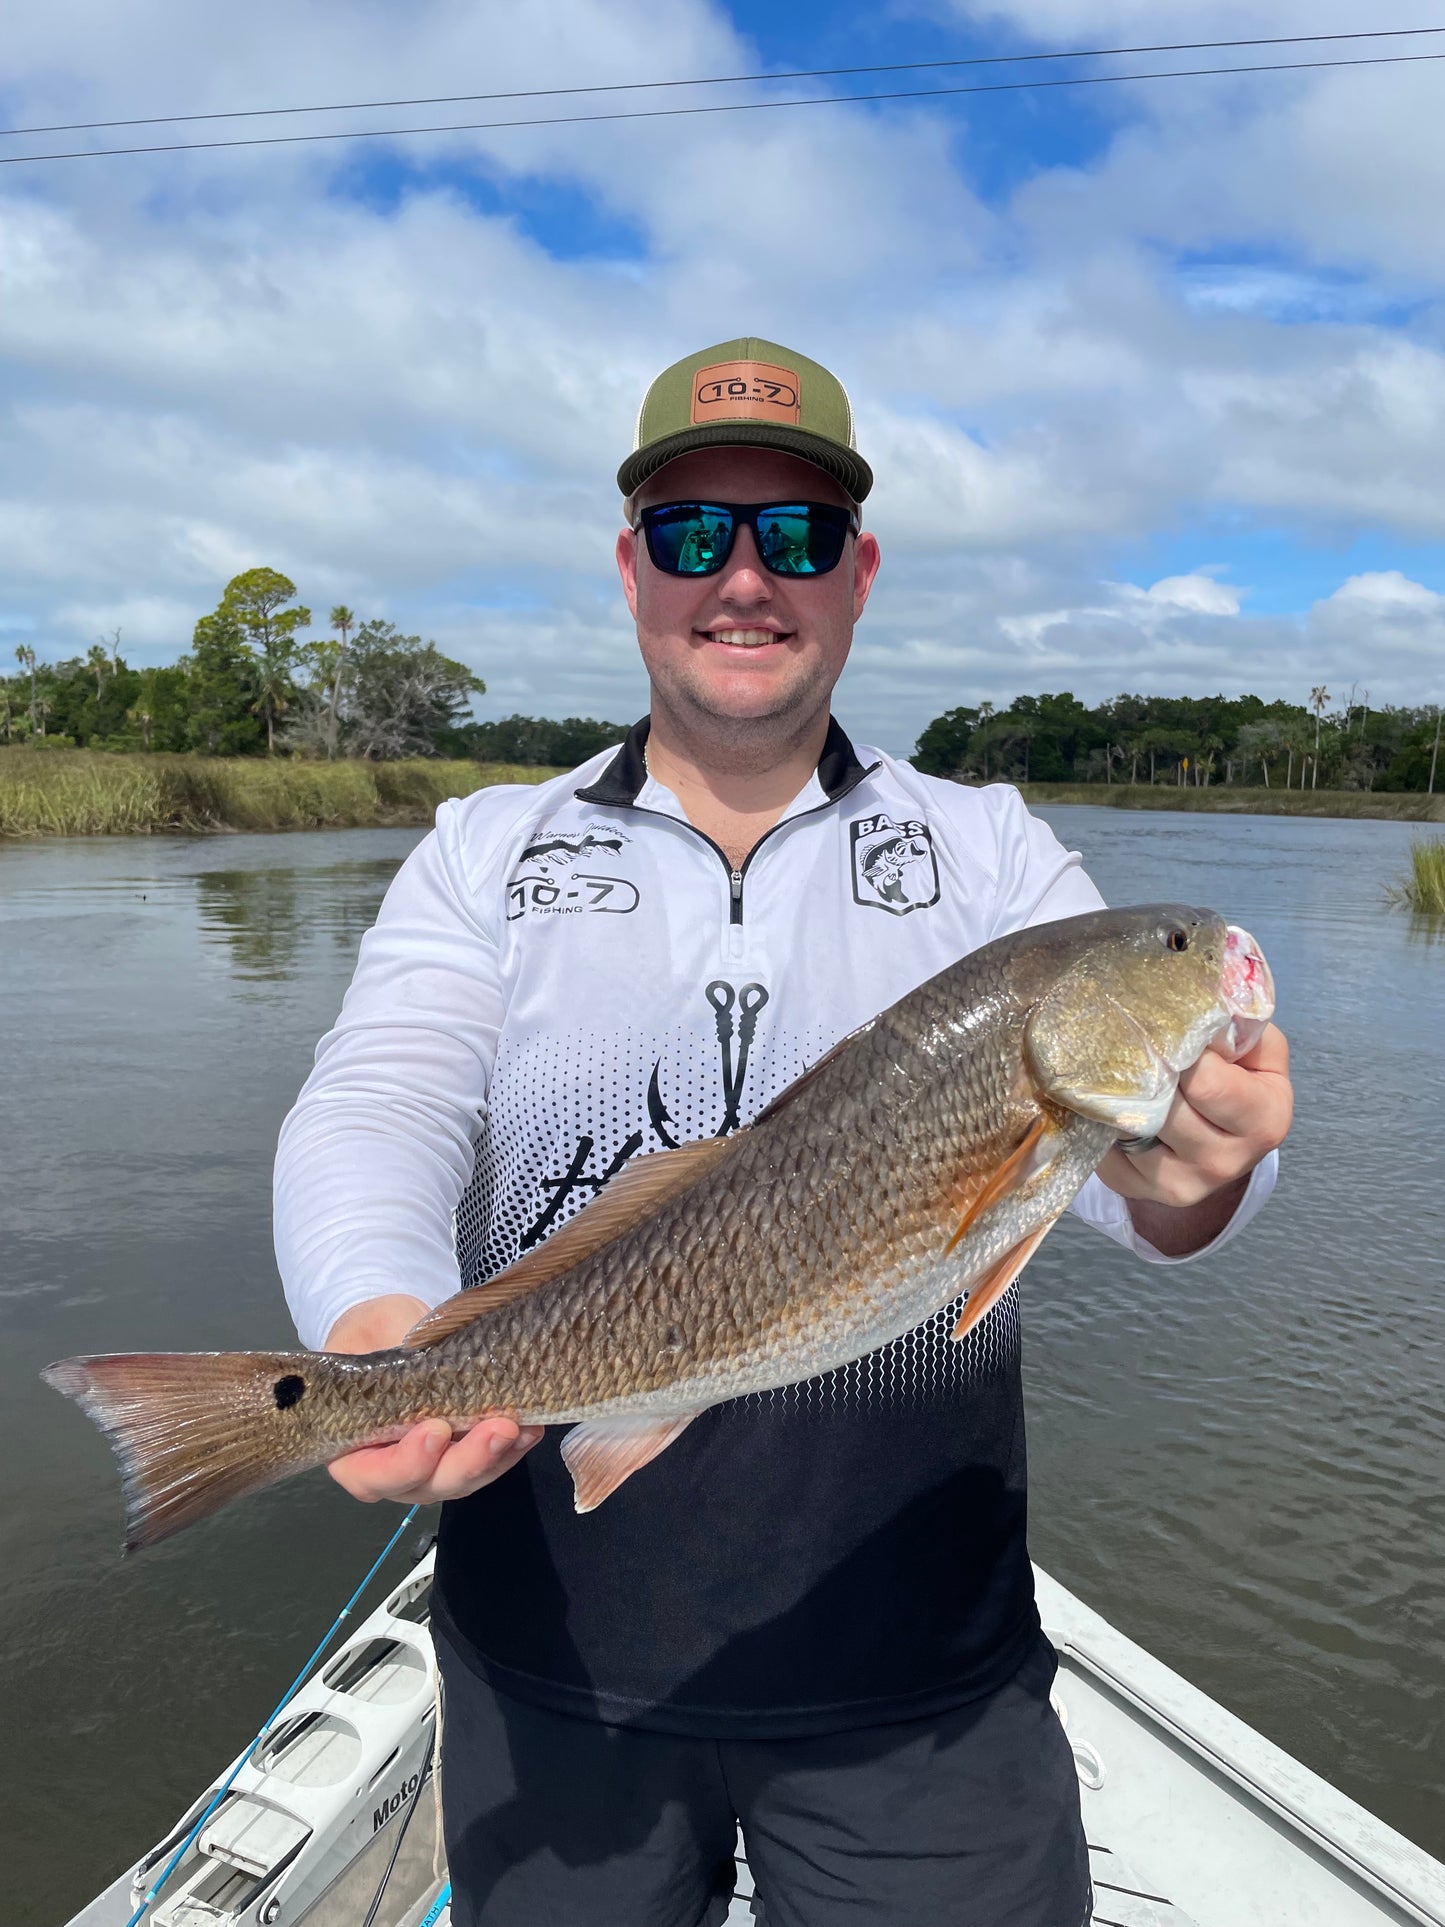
pixel 1178 939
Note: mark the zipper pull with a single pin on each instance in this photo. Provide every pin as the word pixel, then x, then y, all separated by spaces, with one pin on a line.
pixel 735 914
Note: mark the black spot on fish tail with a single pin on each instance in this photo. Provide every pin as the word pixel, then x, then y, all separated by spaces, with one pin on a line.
pixel 289 1391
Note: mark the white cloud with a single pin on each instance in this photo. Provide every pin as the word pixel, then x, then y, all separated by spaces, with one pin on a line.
pixel 213 360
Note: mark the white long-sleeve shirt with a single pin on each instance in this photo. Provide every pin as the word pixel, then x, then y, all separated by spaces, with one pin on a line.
pixel 562 978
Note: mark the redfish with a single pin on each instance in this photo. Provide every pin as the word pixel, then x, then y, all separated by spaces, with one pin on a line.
pixel 925 1156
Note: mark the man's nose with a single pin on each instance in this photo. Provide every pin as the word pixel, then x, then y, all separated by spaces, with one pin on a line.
pixel 745 583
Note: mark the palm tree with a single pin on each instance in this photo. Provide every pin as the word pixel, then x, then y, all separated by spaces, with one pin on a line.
pixel 273 696
pixel 25 656
pixel 98 661
pixel 343 621
pixel 1319 696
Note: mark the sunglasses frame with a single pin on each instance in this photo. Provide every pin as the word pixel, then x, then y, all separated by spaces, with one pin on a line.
pixel 744 515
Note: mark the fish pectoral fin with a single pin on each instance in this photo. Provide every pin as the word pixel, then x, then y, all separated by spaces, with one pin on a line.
pixel 986 1291
pixel 638 1189
pixel 1017 1168
pixel 601 1452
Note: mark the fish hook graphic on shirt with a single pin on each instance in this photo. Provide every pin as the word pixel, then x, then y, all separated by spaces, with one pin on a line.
pixel 735 1014
pixel 724 998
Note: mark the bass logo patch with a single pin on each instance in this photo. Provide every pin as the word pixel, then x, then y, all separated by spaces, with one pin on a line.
pixel 894 867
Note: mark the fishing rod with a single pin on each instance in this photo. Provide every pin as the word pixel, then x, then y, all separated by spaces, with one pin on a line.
pixel 153 1891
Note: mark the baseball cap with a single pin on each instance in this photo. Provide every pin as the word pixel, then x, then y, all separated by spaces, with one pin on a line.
pixel 747 393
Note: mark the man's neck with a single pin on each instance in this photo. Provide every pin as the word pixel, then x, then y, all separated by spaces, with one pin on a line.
pixel 733 792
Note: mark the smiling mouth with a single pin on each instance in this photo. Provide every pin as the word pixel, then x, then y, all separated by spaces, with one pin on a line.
pixel 745 638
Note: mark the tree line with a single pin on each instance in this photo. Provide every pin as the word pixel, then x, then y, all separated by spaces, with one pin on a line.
pixel 1199 740
pixel 252 684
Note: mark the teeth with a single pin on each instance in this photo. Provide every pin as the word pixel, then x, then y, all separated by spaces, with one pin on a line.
pixel 744 638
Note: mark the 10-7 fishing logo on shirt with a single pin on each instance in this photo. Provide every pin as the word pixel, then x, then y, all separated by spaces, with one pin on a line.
pixel 548 881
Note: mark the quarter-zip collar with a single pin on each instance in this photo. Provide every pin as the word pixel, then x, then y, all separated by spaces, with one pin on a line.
pixel 625 777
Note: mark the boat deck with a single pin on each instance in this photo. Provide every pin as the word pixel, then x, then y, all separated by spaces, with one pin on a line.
pixel 1193 1818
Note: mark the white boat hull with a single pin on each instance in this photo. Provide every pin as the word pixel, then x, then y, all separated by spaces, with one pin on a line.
pixel 1193 1818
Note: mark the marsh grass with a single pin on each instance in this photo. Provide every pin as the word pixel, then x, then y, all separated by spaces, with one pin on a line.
pixel 1409 806
pixel 80 793
pixel 1424 888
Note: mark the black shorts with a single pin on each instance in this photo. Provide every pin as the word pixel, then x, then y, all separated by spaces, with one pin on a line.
pixel 969 1817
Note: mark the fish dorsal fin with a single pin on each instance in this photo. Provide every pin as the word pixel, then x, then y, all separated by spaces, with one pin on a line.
pixel 800 1083
pixel 601 1453
pixel 638 1189
pixel 988 1289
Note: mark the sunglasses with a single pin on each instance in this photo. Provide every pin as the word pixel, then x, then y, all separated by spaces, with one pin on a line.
pixel 793 538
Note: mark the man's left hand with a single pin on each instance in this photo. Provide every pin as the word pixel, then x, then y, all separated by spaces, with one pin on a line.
pixel 1224 1119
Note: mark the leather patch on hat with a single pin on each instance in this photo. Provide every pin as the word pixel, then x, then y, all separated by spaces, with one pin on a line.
pixel 749 391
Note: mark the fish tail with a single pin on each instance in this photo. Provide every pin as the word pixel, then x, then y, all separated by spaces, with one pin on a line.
pixel 193 1431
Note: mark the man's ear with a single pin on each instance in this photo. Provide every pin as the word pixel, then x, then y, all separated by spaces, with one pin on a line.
pixel 866 558
pixel 627 566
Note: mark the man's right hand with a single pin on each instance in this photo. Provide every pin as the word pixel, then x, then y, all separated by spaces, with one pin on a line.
pixel 429 1463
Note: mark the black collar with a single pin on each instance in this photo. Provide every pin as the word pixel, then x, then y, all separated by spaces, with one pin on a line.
pixel 621 782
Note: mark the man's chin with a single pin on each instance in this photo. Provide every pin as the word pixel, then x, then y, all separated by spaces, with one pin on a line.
pixel 744 712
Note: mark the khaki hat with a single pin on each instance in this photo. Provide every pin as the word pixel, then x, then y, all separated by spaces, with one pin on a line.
pixel 747 393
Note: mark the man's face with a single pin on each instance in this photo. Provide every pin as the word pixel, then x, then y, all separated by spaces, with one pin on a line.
pixel 743 646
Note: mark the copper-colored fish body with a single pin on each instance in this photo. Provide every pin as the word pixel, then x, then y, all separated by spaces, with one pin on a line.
pixel 931 1149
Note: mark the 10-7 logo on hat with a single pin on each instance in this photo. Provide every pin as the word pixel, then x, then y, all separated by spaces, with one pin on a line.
pixel 745 391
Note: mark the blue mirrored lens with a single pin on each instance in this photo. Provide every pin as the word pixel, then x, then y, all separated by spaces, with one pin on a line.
pixel 689 538
pixel 801 539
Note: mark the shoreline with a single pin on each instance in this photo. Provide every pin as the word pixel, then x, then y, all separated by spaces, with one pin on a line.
pixel 1394 806
pixel 50 793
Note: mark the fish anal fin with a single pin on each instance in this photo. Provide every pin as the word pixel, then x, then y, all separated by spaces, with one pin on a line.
pixel 601 1453
pixel 640 1188
pixel 1017 1167
pixel 987 1290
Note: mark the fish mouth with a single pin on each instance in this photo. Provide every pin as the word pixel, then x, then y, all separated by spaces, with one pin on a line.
pixel 1247 988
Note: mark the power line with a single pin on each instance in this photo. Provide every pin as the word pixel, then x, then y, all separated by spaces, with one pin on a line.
pixel 722 80
pixel 729 107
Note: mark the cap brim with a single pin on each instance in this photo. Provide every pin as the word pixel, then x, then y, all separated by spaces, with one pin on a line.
pixel 845 465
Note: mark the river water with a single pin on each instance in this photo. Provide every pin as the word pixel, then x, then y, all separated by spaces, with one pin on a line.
pixel 1239 1462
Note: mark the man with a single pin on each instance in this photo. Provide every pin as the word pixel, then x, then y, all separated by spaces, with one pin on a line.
pixel 814 1612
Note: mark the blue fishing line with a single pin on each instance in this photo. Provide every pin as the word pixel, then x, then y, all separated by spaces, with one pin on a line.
pixel 433 1913
pixel 285 1700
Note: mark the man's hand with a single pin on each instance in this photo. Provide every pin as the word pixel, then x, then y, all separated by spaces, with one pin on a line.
pixel 1224 1119
pixel 428 1464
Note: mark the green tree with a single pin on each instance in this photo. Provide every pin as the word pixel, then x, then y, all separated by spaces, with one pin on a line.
pixel 343 621
pixel 535 740
pixel 400 694
pixel 1319 696
pixel 25 656
pixel 257 600
pixel 942 748
pixel 222 686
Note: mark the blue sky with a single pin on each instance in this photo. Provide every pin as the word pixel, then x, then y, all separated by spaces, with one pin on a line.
pixel 1152 377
